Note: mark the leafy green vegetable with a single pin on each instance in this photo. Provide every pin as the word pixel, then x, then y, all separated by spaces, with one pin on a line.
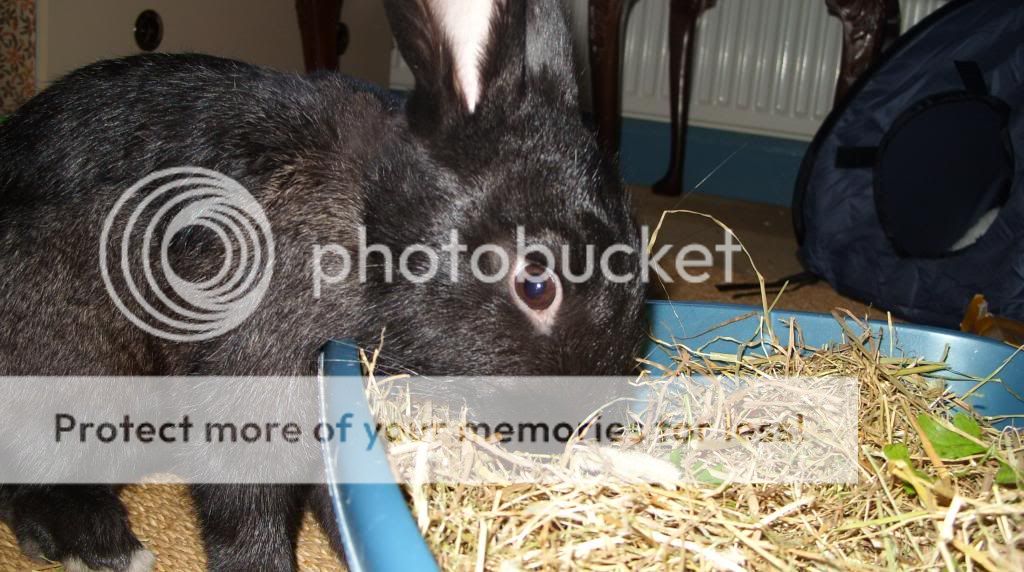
pixel 899 452
pixel 967 424
pixel 704 475
pixel 1007 475
pixel 700 471
pixel 676 457
pixel 948 443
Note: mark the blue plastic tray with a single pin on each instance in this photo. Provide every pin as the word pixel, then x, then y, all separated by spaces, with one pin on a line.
pixel 379 533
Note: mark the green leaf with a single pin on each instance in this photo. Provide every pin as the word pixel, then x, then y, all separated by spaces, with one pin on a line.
pixel 699 471
pixel 1007 475
pixel 704 475
pixel 947 443
pixel 897 452
pixel 676 457
pixel 967 424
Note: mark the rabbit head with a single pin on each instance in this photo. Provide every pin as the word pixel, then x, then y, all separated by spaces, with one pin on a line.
pixel 496 150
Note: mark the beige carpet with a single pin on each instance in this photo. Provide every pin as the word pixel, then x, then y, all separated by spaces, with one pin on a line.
pixel 163 519
pixel 162 515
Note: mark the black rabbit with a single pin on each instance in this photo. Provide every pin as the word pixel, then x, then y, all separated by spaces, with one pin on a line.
pixel 490 139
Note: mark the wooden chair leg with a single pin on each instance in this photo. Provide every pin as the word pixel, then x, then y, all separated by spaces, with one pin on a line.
pixel 682 25
pixel 606 24
pixel 318 24
pixel 868 26
pixel 893 23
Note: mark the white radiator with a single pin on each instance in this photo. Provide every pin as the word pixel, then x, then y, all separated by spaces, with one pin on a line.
pixel 762 66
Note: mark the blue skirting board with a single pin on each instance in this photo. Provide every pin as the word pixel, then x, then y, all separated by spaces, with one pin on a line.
pixel 756 168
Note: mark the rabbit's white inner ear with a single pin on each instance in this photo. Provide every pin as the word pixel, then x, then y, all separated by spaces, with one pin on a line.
pixel 467 23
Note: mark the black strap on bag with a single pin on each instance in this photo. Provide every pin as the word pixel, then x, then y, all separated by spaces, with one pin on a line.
pixel 942 165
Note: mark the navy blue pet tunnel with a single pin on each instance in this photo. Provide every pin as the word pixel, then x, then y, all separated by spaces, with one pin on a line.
pixel 909 197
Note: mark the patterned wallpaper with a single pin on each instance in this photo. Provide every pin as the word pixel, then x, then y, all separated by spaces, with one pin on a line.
pixel 17 53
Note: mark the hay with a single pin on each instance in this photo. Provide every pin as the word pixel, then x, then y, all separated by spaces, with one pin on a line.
pixel 937 487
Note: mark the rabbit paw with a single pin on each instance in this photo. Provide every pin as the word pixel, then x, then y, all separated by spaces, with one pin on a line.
pixel 139 561
pixel 84 528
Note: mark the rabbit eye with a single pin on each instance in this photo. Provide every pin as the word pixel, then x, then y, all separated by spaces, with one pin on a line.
pixel 537 291
pixel 536 287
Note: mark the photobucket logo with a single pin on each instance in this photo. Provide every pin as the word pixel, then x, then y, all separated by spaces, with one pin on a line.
pixel 152 228
pixel 334 264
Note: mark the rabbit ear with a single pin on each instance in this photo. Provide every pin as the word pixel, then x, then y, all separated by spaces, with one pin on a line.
pixel 549 54
pixel 467 24
pixel 466 52
pixel 530 50
pixel 443 42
